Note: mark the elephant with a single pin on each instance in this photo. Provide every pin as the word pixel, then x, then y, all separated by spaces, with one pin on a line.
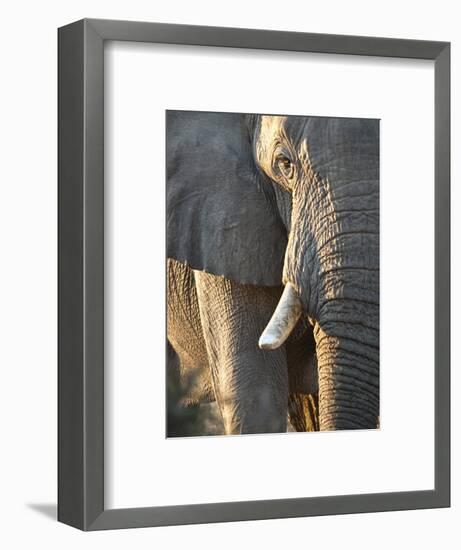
pixel 273 267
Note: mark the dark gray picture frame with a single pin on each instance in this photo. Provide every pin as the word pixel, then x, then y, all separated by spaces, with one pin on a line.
pixel 81 274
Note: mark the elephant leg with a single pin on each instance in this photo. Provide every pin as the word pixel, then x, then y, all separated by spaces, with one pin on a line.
pixel 187 418
pixel 250 384
pixel 184 332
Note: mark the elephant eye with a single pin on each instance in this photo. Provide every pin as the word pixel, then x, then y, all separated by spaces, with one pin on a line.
pixel 285 165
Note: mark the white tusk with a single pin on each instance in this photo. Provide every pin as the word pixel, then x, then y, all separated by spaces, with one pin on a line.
pixel 284 319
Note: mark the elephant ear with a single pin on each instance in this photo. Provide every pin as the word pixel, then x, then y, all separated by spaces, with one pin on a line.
pixel 220 216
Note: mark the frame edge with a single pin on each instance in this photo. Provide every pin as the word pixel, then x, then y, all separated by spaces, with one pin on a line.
pixel 442 275
pixel 80 275
pixel 234 37
pixel 70 270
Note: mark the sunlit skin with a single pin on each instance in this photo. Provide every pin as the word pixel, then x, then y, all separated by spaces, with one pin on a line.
pixel 292 201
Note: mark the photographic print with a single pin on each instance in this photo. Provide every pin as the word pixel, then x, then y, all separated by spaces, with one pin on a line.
pixel 272 273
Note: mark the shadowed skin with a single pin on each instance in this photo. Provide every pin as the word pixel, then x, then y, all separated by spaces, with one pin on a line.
pixel 256 201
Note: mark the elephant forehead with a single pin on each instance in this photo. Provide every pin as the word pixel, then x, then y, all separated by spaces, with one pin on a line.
pixel 270 126
pixel 327 136
pixel 270 133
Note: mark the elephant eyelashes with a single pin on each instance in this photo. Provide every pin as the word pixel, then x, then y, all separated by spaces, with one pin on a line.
pixel 285 166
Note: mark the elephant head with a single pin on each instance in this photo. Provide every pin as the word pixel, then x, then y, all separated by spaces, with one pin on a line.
pixel 266 200
pixel 330 166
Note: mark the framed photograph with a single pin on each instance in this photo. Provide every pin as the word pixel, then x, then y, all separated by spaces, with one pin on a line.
pixel 254 303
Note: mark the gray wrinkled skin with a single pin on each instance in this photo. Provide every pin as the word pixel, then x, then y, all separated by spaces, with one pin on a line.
pixel 213 325
pixel 254 201
pixel 332 257
pixel 221 218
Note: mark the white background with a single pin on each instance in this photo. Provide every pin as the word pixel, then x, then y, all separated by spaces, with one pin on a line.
pixel 28 289
pixel 143 467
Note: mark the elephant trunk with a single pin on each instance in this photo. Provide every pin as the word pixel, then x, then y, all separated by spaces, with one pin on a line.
pixel 348 369
pixel 347 347
pixel 344 306
pixel 332 266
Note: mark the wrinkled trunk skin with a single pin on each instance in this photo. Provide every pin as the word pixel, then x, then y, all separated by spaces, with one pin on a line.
pixel 332 260
pixel 348 383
